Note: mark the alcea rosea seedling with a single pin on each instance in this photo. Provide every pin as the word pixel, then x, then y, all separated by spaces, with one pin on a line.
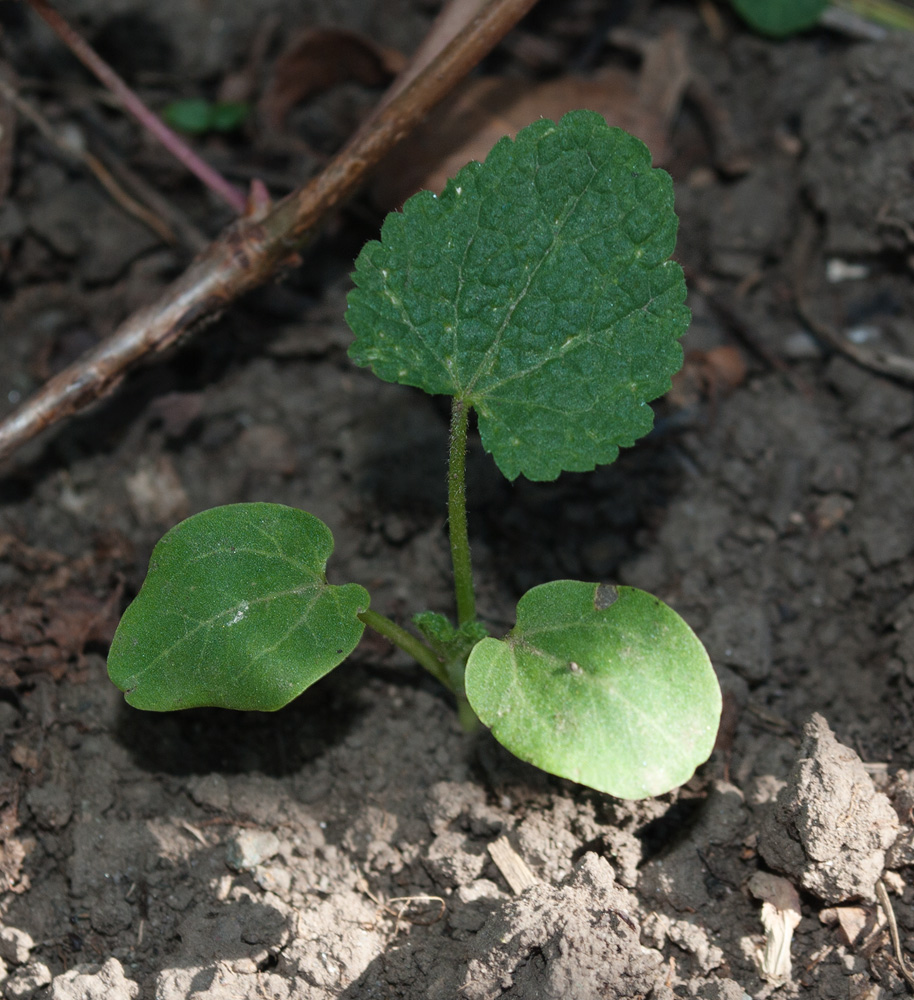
pixel 537 291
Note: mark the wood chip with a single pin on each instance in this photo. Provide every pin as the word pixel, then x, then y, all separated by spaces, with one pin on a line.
pixel 512 866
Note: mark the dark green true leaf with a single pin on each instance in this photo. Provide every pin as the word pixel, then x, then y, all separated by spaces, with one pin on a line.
pixel 607 686
pixel 537 288
pixel 236 612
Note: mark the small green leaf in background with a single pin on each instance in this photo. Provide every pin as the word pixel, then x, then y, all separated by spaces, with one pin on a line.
pixel 537 289
pixel 228 116
pixel 196 115
pixel 607 686
pixel 779 18
pixel 235 612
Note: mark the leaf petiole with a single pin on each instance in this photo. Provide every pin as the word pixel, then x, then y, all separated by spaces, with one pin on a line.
pixel 457 513
pixel 408 643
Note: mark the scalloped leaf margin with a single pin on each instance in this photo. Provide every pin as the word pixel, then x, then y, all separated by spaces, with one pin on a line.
pixel 537 288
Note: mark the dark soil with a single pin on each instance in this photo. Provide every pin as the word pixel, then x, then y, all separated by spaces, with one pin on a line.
pixel 341 848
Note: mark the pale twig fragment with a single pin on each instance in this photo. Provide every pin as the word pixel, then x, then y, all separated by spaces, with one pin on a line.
pixel 515 870
pixel 886 904
pixel 421 910
pixel 780 915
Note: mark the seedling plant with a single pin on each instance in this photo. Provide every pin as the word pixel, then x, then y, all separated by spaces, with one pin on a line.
pixel 537 291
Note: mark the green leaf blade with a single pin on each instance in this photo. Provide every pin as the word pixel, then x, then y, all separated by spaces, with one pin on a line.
pixel 538 289
pixel 606 686
pixel 780 18
pixel 192 115
pixel 235 612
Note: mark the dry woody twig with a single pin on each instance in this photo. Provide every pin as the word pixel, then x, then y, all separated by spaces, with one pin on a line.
pixel 131 102
pixel 884 901
pixel 252 250
pixel 92 163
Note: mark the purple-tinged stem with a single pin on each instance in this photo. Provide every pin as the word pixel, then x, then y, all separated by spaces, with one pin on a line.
pixel 232 195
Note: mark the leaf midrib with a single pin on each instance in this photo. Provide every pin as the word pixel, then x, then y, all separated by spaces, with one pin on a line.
pixel 208 623
pixel 596 683
pixel 488 360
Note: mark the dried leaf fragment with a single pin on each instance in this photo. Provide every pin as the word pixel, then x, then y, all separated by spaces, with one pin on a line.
pixel 780 915
pixel 855 922
pixel 467 126
pixel 49 634
pixel 708 375
pixel 320 58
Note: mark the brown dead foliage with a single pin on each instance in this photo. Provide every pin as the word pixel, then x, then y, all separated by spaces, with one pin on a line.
pixel 471 122
pixel 320 58
pixel 708 375
pixel 47 628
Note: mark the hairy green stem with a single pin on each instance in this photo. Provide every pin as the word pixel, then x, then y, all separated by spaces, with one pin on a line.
pixel 408 643
pixel 457 514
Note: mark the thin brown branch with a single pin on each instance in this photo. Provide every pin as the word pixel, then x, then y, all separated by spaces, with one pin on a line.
pixel 91 162
pixel 131 102
pixel 250 251
pixel 297 214
pixel 7 129
pixel 453 18
pixel 895 366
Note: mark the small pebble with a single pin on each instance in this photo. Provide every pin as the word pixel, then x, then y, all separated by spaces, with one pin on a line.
pixel 15 945
pixel 249 848
pixel 273 878
pixel 801 346
pixel 27 981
